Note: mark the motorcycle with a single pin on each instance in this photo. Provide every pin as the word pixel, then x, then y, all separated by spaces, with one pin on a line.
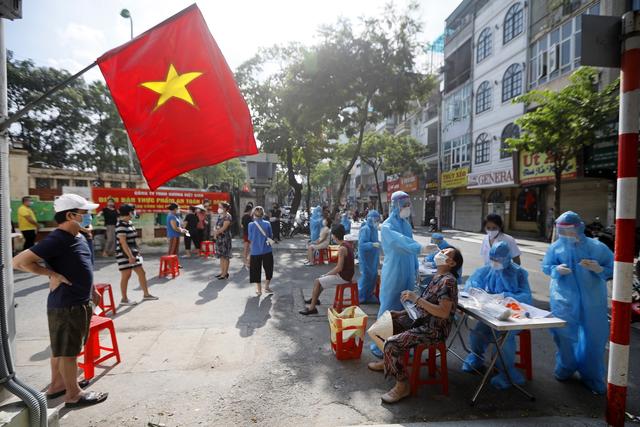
pixel 598 231
pixel 433 225
pixel 300 225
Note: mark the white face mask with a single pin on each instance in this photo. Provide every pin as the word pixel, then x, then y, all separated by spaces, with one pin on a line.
pixel 497 265
pixel 492 233
pixel 405 212
pixel 220 211
pixel 440 258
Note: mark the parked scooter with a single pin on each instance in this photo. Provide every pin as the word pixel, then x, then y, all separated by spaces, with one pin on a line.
pixel 433 225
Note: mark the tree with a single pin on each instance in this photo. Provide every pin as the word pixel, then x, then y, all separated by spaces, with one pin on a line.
pixel 230 172
pixel 53 130
pixel 562 123
pixel 358 77
pixel 392 154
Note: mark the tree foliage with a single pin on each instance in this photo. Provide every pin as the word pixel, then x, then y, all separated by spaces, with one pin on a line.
pixel 562 123
pixel 392 154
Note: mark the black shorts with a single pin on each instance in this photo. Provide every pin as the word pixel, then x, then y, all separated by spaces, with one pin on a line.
pixel 68 329
pixel 256 263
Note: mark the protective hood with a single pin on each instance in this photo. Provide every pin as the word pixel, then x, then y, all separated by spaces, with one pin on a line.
pixel 372 217
pixel 511 281
pixel 399 199
pixel 571 219
pixel 438 239
pixel 316 212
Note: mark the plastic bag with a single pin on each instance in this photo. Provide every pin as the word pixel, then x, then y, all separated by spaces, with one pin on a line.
pixel 352 321
pixel 412 309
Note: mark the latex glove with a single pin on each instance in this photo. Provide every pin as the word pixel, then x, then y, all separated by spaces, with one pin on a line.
pixel 376 245
pixel 592 265
pixel 563 270
pixel 429 249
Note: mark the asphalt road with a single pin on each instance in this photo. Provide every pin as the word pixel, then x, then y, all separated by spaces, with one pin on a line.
pixel 210 352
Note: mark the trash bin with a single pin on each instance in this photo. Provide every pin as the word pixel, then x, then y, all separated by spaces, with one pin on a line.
pixel 347 332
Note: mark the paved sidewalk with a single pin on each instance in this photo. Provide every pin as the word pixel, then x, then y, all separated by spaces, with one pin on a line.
pixel 520 422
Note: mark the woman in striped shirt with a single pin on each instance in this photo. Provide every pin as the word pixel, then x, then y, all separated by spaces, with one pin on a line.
pixel 128 255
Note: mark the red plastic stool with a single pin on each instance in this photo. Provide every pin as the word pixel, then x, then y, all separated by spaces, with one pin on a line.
pixel 334 253
pixel 437 375
pixel 169 265
pixel 207 248
pixel 524 353
pixel 320 256
pixel 350 349
pixel 101 288
pixel 93 348
pixel 339 301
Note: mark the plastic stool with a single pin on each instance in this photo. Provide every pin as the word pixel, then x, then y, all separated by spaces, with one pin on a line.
pixel 334 253
pixel 339 302
pixel 169 265
pixel 436 375
pixel 101 288
pixel 320 256
pixel 524 353
pixel 207 248
pixel 93 348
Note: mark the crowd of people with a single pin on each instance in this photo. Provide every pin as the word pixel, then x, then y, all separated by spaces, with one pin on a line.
pixel 578 268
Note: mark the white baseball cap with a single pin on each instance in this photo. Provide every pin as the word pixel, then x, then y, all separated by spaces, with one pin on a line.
pixel 72 201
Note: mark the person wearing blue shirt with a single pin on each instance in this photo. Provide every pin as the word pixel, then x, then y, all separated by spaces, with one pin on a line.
pixel 368 256
pixel 438 240
pixel 174 228
pixel 68 266
pixel 579 268
pixel 260 236
pixel 505 277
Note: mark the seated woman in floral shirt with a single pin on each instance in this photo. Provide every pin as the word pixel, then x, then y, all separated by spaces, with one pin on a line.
pixel 436 306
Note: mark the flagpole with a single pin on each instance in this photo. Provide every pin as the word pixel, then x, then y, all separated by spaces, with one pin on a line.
pixel 4 124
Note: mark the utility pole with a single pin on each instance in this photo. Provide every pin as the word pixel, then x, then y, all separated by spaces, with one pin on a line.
pixel 626 195
pixel 127 15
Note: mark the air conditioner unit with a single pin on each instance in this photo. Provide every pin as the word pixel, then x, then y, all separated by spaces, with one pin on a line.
pixel 542 65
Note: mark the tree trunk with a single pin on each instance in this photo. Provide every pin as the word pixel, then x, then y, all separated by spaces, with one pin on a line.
pixel 556 189
pixel 375 174
pixel 308 187
pixel 356 154
pixel 293 182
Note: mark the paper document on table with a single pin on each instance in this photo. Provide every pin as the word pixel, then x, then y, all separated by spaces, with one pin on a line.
pixel 535 312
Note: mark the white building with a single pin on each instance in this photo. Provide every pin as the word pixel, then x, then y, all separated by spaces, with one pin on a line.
pixel 499 75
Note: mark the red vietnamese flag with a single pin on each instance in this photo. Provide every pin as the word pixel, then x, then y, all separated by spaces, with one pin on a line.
pixel 178 99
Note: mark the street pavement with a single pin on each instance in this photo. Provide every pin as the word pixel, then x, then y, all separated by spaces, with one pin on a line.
pixel 210 352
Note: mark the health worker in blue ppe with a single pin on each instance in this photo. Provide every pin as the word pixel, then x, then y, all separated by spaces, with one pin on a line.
pixel 369 256
pixel 579 268
pixel 400 266
pixel 315 223
pixel 346 222
pixel 438 240
pixel 505 277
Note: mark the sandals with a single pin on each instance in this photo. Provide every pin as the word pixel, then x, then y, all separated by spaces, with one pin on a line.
pixel 308 301
pixel 376 366
pixel 307 312
pixel 392 396
pixel 268 291
pixel 82 384
pixel 91 398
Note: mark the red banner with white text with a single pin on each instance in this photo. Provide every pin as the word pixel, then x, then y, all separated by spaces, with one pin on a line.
pixel 148 201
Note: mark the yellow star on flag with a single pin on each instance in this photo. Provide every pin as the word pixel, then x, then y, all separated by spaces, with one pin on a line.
pixel 175 86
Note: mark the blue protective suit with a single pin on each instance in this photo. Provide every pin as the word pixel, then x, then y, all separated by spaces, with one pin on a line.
pixel 437 239
pixel 346 223
pixel 368 256
pixel 579 298
pixel 315 223
pixel 511 281
pixel 400 256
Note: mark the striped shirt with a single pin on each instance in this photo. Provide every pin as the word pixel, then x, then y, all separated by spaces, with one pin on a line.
pixel 126 228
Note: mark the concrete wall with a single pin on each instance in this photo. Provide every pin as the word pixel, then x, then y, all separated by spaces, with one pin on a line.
pixel 18 173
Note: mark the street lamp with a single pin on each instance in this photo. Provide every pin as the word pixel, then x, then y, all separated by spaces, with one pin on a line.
pixel 127 15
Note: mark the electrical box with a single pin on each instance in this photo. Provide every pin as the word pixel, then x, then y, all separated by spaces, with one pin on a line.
pixel 11 9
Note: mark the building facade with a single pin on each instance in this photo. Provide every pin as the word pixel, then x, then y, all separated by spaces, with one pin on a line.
pixel 499 75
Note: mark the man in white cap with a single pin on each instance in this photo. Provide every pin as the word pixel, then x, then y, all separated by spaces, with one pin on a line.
pixel 68 265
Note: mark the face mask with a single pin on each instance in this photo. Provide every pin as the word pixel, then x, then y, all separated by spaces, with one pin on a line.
pixel 440 258
pixel 220 211
pixel 496 265
pixel 405 212
pixel 492 233
pixel 569 239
